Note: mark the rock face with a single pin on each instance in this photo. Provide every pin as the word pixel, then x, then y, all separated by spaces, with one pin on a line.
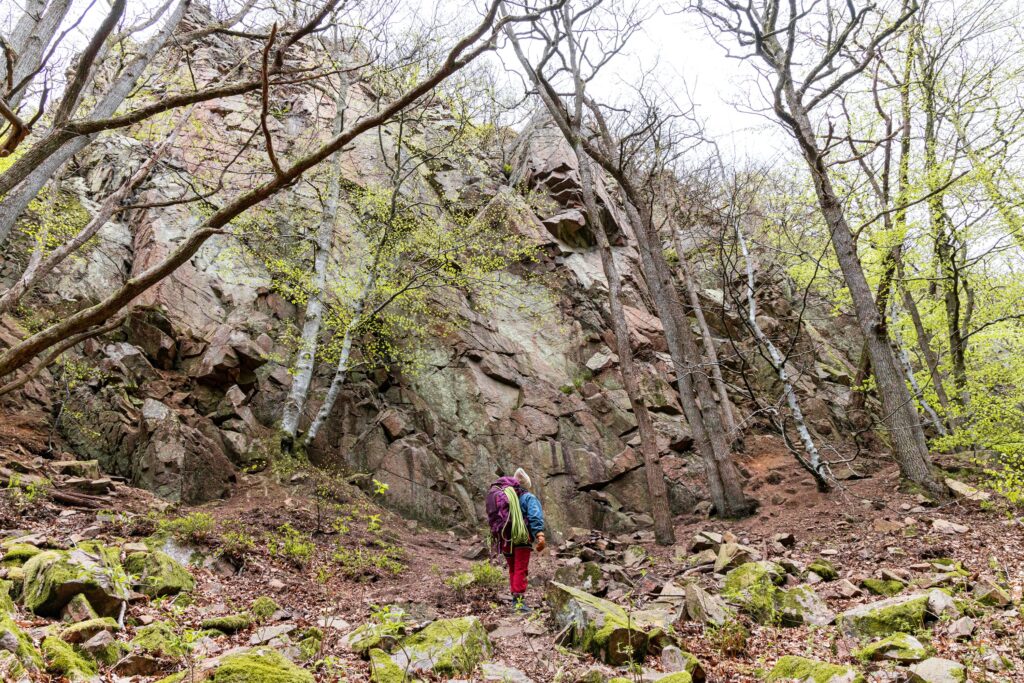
pixel 192 385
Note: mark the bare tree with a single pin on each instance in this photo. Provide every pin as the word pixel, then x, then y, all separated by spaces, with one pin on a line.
pixel 477 41
pixel 783 38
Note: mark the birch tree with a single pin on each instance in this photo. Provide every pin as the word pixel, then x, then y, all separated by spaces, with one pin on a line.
pixel 805 70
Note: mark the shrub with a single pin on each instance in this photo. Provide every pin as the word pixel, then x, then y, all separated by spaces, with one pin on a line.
pixel 292 545
pixel 196 527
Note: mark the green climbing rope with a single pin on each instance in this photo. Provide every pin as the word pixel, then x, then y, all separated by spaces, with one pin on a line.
pixel 520 535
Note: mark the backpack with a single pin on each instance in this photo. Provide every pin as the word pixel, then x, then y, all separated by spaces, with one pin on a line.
pixel 505 520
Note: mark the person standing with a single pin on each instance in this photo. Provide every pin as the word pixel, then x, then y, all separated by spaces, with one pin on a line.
pixel 516 519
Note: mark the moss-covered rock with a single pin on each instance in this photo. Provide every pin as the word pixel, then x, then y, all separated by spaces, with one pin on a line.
pixel 753 588
pixel 104 649
pixel 6 601
pixel 84 630
pixel 261 665
pixel 61 659
pixel 262 608
pixel 677 677
pixel 383 670
pixel 824 569
pixel 599 626
pixel 229 624
pixel 11 668
pixel 902 614
pixel 159 640
pixel 18 554
pixel 445 647
pixel 375 635
pixel 23 649
pixel 53 577
pixel 899 647
pixel 157 573
pixel 585 576
pixel 792 668
pixel 937 670
pixel 883 587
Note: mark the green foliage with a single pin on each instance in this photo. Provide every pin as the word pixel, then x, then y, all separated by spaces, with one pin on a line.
pixel 197 527
pixel 730 638
pixel 360 563
pixel 262 608
pixel 24 495
pixel 291 544
pixel 236 543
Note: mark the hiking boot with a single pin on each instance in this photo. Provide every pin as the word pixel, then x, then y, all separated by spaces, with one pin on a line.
pixel 519 605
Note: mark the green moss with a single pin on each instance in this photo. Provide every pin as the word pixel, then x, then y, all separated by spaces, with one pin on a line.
pixel 383 670
pixel 824 569
pixel 16 576
pixel 262 665
pixel 752 586
pixel 12 667
pixel 24 650
pixel 79 609
pixel 898 647
pixel 19 553
pixel 111 654
pixel 884 587
pixel 677 677
pixel 159 574
pixel 160 640
pixel 228 624
pixel 447 646
pixel 879 620
pixel 801 669
pixel 62 659
pixel 262 608
pixel 6 603
pixel 599 626
pixel 84 630
pixel 53 577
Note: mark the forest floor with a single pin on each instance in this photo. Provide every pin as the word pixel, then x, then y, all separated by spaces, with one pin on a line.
pixel 363 558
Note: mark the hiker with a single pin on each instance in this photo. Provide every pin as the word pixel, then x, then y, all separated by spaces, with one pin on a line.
pixel 517 528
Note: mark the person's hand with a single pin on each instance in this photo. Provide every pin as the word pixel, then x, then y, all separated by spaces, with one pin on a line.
pixel 540 544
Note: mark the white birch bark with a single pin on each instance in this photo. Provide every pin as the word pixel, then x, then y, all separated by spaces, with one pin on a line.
pixel 341 372
pixel 30 48
pixel 305 360
pixel 813 462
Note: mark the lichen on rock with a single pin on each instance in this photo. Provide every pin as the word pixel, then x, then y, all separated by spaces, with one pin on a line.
pixel 902 614
pixel 53 577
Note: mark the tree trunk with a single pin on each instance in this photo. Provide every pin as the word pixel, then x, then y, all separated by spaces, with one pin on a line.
pixel 695 394
pixel 305 360
pixel 813 463
pixel 341 372
pixel 30 52
pixel 728 412
pixel 660 511
pixel 14 203
pixel 910 448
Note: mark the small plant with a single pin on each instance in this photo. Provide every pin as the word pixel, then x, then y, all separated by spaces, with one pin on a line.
pixel 730 638
pixel 380 488
pixel 193 528
pixel 236 544
pixel 24 496
pixel 292 545
pixel 262 608
pixel 486 574
pixel 373 524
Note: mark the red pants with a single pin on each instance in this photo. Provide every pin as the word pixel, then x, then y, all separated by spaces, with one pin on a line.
pixel 518 568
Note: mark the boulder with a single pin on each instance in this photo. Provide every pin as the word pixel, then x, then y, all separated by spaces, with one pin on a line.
pixel 176 461
pixel 586 576
pixel 991 594
pixel 446 647
pixel 63 660
pixel 15 642
pixel 159 640
pixel 884 587
pixel 938 670
pixel 791 668
pixel 257 664
pixel 902 614
pixel 599 626
pixel 899 647
pixel 823 568
pixel 706 608
pixel 675 660
pixel 733 555
pixel 54 577
pixel 84 630
pixel 232 357
pixel 157 574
